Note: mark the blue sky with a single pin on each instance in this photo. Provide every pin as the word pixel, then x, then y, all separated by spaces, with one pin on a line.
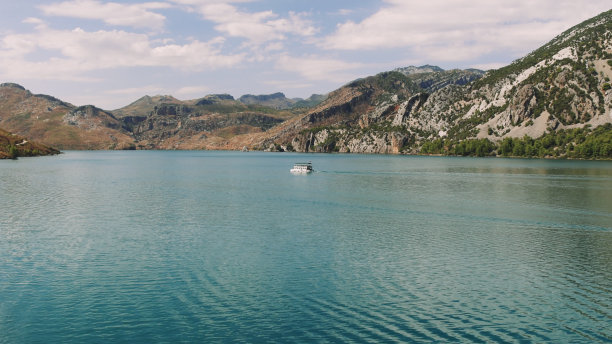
pixel 110 53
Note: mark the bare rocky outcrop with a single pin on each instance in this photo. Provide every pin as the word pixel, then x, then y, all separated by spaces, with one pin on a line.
pixel 557 86
pixel 564 84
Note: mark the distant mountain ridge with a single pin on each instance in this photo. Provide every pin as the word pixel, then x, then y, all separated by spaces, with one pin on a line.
pixel 412 70
pixel 432 78
pixel 151 122
pixel 275 100
pixel 278 101
pixel 562 88
pixel 144 105
pixel 59 124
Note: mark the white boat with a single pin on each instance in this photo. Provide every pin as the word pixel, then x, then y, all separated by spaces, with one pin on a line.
pixel 301 168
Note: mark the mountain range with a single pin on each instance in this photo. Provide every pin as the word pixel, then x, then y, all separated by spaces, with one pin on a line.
pixel 555 101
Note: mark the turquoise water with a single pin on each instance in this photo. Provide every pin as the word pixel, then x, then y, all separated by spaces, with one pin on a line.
pixel 152 246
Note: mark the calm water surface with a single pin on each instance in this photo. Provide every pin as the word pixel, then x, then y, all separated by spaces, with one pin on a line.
pixel 145 247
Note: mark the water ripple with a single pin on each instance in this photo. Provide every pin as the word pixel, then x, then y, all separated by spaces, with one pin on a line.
pixel 187 247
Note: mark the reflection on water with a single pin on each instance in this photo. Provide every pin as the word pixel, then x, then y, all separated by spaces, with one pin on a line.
pixel 223 246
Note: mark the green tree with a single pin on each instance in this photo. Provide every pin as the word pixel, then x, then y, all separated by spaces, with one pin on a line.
pixel 506 146
pixel 13 152
pixel 519 148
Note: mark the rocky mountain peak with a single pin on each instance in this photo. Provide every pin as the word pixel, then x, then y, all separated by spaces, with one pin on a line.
pixel 12 85
pixel 562 86
pixel 418 70
pixel 275 100
pixel 565 85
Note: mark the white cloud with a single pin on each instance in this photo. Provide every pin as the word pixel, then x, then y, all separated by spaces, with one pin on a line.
pixel 257 27
pixel 74 52
pixel 205 2
pixel 37 22
pixel 286 85
pixel 192 91
pixel 275 46
pixel 112 13
pixel 487 66
pixel 147 89
pixel 319 68
pixel 344 12
pixel 462 30
pixel 153 90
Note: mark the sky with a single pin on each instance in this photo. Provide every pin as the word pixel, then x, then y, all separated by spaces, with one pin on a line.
pixel 110 53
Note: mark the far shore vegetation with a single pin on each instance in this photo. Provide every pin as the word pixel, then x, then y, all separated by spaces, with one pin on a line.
pixel 579 143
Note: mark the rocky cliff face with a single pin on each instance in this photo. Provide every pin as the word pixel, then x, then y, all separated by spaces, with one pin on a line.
pixel 348 115
pixel 280 102
pixel 144 105
pixel 432 78
pixel 563 85
pixel 159 122
pixel 275 100
pixel 179 126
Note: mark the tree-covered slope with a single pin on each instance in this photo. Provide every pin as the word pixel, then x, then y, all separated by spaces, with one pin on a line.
pixel 13 146
pixel 563 86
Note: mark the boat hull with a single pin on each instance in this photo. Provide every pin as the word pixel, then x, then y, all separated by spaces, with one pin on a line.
pixel 300 171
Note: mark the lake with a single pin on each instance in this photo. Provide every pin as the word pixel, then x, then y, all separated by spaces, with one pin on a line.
pixel 198 246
